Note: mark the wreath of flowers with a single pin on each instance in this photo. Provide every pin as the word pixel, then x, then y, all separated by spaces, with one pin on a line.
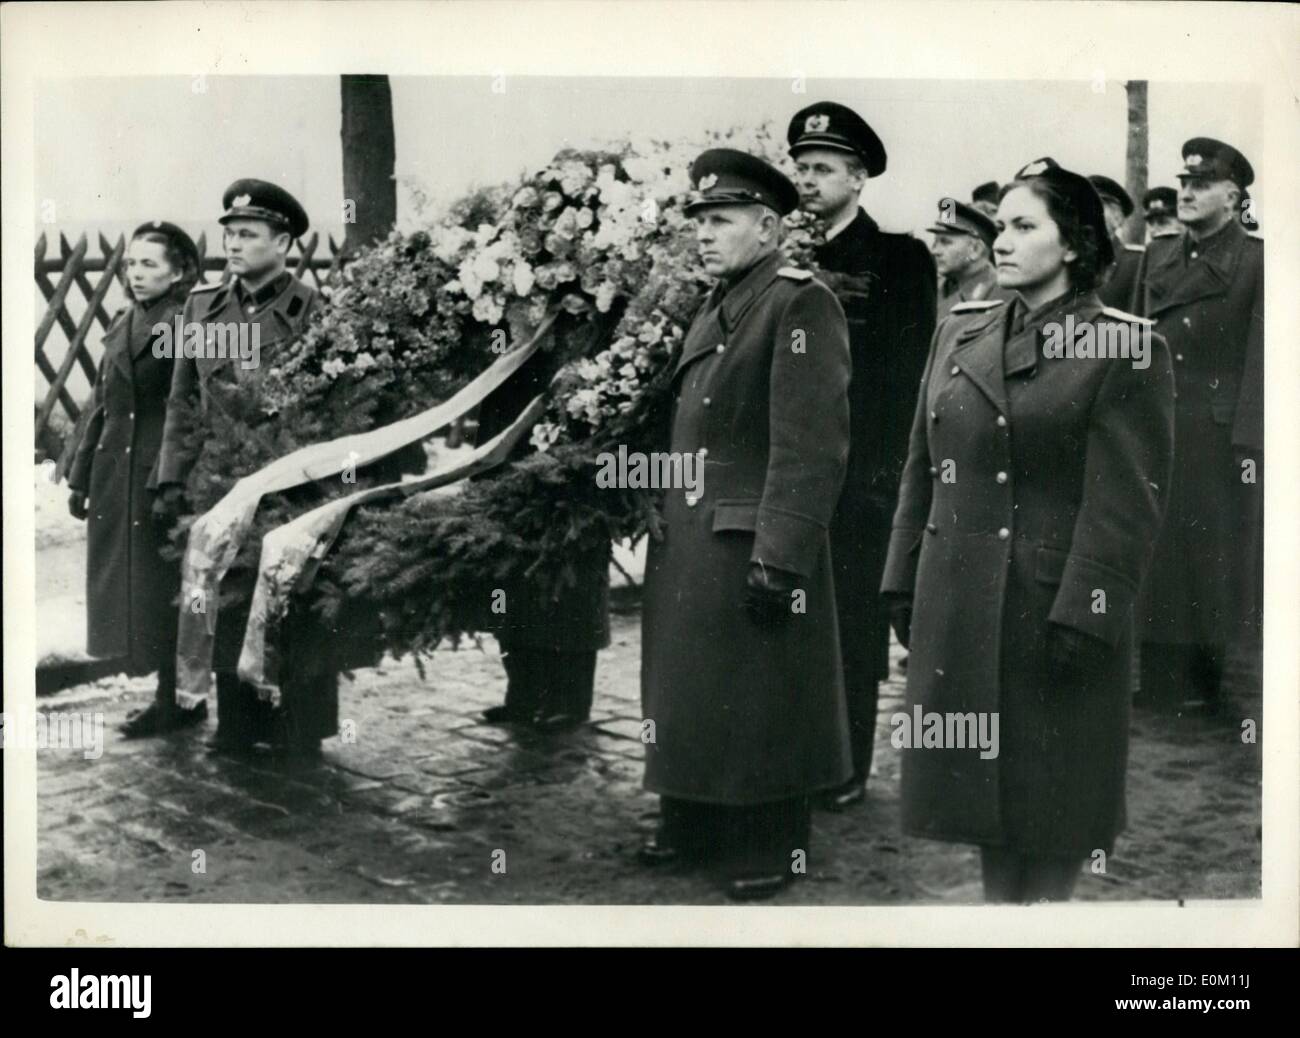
pixel 599 238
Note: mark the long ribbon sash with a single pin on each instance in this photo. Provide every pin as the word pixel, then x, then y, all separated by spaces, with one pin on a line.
pixel 218 534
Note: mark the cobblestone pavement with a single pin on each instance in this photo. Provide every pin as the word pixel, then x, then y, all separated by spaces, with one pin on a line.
pixel 415 810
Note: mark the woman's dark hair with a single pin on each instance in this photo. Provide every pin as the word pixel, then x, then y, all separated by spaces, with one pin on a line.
pixel 179 257
pixel 1087 271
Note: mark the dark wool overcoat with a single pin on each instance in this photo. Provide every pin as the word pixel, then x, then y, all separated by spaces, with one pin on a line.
pixel 1032 495
pixel 130 588
pixel 1207 299
pixel 746 712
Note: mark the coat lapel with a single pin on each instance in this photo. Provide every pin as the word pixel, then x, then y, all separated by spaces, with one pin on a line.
pixel 117 340
pixel 717 320
pixel 978 352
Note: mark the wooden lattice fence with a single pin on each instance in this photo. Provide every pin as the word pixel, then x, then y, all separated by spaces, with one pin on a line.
pixel 73 268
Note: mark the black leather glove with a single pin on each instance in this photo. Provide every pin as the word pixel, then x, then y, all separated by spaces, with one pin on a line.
pixel 77 504
pixel 169 503
pixel 900 618
pixel 1072 652
pixel 768 594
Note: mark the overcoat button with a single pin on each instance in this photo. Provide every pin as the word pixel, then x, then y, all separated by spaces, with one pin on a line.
pixel 934 417
pixel 1002 420
pixel 1187 322
pixel 131 416
pixel 720 347
pixel 128 450
pixel 1001 477
pixel 931 528
pixel 1178 356
pixel 933 471
pixel 706 401
pixel 703 452
pixel 956 370
pixel 1003 534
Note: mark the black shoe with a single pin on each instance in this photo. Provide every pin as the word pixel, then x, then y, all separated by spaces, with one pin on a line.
pixel 844 797
pixel 156 719
pixel 506 715
pixel 758 888
pixel 558 722
pixel 656 851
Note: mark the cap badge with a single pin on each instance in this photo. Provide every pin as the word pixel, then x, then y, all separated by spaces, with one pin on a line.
pixel 1194 160
pixel 707 181
pixel 817 124
pixel 156 224
pixel 239 201
pixel 1034 169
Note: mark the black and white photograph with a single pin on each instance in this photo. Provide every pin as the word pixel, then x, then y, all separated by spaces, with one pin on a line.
pixel 474 467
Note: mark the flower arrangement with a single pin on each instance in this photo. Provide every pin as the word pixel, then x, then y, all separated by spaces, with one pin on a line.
pixel 599 238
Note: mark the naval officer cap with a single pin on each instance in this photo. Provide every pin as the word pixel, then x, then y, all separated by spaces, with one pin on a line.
pixel 1204 158
pixel 724 176
pixel 1078 194
pixel 958 218
pixel 250 199
pixel 838 127
pixel 1111 189
pixel 1160 202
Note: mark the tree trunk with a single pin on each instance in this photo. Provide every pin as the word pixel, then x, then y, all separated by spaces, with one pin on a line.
pixel 1136 156
pixel 369 156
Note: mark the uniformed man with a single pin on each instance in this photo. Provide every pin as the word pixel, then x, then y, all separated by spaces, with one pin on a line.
pixel 270 307
pixel 1160 213
pixel 985 198
pixel 963 240
pixel 1120 285
pixel 740 668
pixel 1205 291
pixel 887 286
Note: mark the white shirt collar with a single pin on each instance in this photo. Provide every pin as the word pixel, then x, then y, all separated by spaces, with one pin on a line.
pixel 842 224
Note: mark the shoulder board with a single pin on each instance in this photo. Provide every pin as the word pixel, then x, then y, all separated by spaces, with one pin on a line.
pixel 974 306
pixel 1134 248
pixel 1255 234
pixel 210 286
pixel 795 273
pixel 1127 318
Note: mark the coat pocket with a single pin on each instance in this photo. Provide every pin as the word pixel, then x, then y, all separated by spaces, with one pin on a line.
pixel 735 515
pixel 1049 565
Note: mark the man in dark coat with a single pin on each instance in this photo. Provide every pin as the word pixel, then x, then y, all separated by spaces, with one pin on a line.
pixel 886 285
pixel 268 307
pixel 1205 291
pixel 1120 287
pixel 962 251
pixel 740 666
pixel 1160 212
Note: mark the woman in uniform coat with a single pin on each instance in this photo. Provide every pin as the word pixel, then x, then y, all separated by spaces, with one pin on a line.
pixel 130 588
pixel 1034 487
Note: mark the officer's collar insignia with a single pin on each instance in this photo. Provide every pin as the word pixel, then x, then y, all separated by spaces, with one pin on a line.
pixel 241 201
pixel 1034 169
pixel 707 181
pixel 1194 160
pixel 817 124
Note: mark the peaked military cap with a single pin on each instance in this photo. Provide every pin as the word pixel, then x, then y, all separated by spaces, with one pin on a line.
pixel 838 127
pixel 1204 158
pixel 1111 189
pixel 1079 194
pixel 724 176
pixel 250 199
pixel 986 192
pixel 1160 201
pixel 174 235
pixel 958 218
